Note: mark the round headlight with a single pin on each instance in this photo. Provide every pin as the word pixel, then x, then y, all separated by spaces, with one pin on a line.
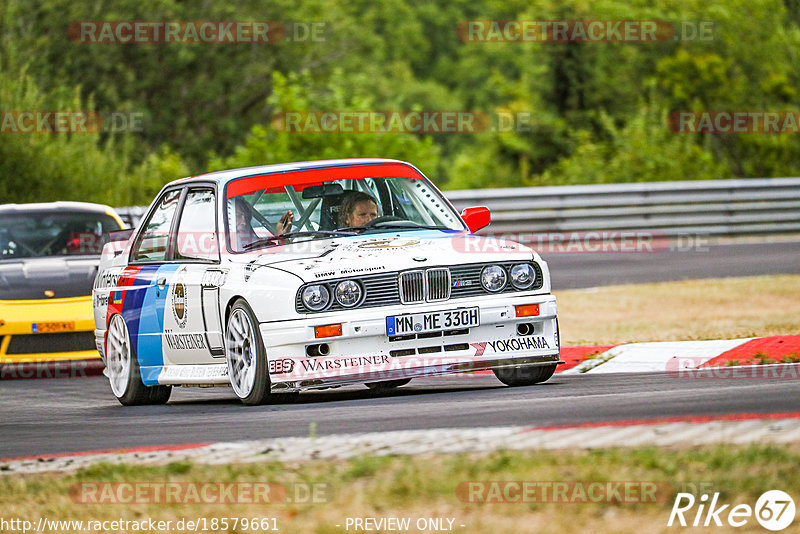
pixel 493 278
pixel 348 293
pixel 523 276
pixel 316 297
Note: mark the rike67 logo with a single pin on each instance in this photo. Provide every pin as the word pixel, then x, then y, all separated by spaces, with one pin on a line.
pixel 774 510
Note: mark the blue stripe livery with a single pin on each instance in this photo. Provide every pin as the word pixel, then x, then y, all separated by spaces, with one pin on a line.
pixel 144 315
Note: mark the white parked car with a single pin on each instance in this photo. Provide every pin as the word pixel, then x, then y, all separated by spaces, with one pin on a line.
pixel 282 278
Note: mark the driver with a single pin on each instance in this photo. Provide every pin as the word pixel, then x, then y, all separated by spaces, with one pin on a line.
pixel 244 229
pixel 358 209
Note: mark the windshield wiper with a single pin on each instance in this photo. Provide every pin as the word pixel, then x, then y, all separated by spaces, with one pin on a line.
pixel 275 239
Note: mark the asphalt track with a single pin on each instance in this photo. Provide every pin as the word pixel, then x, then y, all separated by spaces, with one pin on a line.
pixel 71 415
pixel 703 259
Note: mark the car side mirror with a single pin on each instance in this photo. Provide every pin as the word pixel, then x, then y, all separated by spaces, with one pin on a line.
pixel 476 217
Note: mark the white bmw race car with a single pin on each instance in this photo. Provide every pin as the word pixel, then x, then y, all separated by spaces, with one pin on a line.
pixel 282 278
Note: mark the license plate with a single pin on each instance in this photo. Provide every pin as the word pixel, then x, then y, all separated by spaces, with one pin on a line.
pixel 55 326
pixel 417 323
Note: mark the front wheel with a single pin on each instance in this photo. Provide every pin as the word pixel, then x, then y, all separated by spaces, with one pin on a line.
pixel 246 356
pixel 123 370
pixel 524 375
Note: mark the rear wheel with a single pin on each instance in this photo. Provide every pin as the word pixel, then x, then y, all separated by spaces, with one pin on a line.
pixel 246 356
pixel 524 375
pixel 123 371
pixel 388 384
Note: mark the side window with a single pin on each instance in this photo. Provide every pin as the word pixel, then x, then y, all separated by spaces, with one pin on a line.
pixel 153 241
pixel 197 230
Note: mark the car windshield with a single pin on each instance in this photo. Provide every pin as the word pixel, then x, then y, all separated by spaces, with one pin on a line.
pixel 337 207
pixel 36 234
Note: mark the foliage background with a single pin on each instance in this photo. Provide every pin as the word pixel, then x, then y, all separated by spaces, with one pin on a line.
pixel 598 110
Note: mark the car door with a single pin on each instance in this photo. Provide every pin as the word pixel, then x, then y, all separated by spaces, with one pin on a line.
pixel 143 287
pixel 192 321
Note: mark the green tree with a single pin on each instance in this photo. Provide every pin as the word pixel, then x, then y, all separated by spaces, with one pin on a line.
pixel 641 150
pixel 271 144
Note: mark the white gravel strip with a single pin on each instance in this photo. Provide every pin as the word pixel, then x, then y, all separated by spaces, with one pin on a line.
pixel 657 356
pixel 452 440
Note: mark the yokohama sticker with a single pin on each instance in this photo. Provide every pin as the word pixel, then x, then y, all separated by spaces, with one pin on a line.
pixel 511 345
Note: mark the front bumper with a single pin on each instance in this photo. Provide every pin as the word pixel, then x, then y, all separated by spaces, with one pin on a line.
pixel 365 353
pixel 25 330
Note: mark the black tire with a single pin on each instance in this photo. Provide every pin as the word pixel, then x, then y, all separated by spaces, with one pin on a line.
pixel 259 392
pixel 135 392
pixel 524 375
pixel 387 384
pixel 141 395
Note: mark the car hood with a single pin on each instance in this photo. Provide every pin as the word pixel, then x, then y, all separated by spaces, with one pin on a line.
pixel 386 252
pixel 29 279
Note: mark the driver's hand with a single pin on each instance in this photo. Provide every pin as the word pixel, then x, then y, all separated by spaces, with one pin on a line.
pixel 285 224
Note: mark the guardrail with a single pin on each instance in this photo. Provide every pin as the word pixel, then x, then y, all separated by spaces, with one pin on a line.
pixel 713 207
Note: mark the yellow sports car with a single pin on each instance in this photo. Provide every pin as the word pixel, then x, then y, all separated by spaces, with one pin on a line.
pixel 49 255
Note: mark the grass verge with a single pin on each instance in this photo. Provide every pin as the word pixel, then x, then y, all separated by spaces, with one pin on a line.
pixel 425 486
pixel 725 308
